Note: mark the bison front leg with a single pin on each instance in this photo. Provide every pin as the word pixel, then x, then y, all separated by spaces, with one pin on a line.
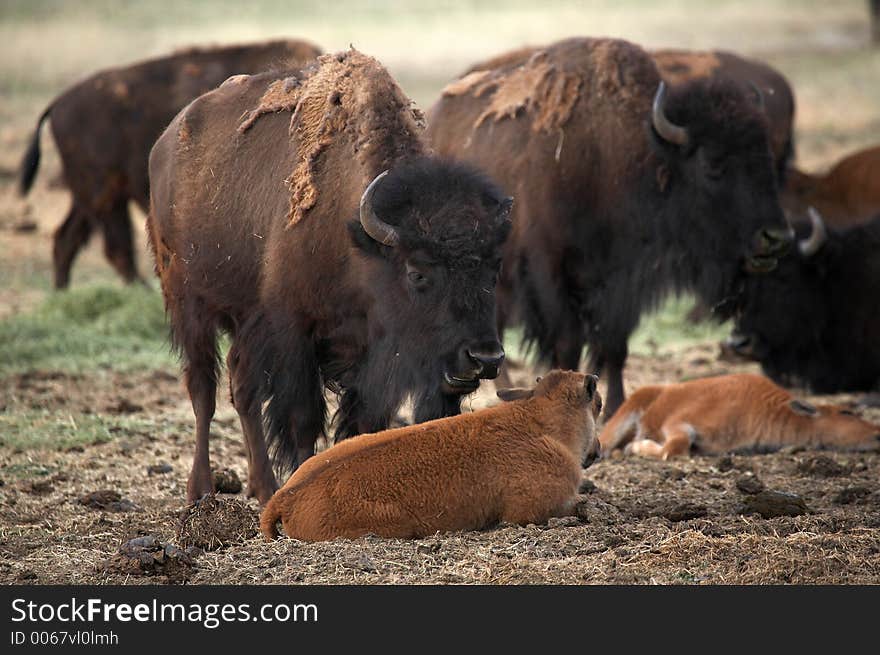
pixel 611 359
pixel 245 396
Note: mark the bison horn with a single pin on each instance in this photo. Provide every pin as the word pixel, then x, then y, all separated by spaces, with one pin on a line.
pixel 372 224
pixel 818 235
pixel 665 128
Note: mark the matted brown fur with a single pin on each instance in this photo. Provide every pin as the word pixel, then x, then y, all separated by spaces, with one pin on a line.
pixel 519 462
pixel 329 100
pixel 742 412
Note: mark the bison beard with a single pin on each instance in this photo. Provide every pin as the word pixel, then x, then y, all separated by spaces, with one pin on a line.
pixel 376 303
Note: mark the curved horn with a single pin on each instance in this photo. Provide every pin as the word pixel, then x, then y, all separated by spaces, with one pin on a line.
pixel 666 129
pixel 759 97
pixel 372 224
pixel 818 235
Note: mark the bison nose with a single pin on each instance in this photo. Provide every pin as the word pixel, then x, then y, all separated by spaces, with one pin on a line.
pixel 488 360
pixel 775 241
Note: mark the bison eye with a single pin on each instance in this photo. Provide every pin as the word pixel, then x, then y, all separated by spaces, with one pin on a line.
pixel 416 279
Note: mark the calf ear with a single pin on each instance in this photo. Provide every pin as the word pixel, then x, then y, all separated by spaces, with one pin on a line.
pixel 803 408
pixel 514 394
pixel 590 383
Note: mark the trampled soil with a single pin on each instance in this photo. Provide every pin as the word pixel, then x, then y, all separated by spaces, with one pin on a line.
pixel 70 516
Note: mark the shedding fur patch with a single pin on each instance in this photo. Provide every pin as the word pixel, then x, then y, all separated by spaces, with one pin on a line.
pixel 536 87
pixel 547 84
pixel 346 95
pixel 678 67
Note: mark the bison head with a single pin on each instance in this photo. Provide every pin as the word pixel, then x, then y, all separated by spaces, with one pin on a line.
pixel 718 178
pixel 813 321
pixel 430 232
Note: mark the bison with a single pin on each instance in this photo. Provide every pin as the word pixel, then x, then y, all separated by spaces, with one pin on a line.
pixel 625 190
pixel 519 462
pixel 105 126
pixel 774 91
pixel 847 194
pixel 302 213
pixel 814 321
pixel 730 413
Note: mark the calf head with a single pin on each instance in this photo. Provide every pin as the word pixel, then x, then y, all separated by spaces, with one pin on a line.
pixel 431 233
pixel 575 401
pixel 838 426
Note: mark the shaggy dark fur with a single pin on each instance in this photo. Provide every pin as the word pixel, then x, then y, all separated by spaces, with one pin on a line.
pixel 815 320
pixel 610 217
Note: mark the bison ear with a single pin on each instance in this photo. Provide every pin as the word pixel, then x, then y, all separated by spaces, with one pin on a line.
pixel 363 241
pixel 514 394
pixel 803 408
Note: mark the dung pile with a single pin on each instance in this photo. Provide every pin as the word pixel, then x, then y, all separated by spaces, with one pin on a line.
pixel 212 523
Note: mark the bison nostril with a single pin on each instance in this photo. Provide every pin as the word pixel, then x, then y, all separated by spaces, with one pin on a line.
pixel 488 360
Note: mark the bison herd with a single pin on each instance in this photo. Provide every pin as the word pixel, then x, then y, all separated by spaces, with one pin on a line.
pixel 301 204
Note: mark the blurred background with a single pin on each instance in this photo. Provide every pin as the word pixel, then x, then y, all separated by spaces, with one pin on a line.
pixel 823 46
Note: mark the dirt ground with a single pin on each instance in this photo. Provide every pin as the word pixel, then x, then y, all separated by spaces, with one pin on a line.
pixel 69 516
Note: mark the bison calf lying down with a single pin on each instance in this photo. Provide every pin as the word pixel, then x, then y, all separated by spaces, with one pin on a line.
pixel 518 462
pixel 730 413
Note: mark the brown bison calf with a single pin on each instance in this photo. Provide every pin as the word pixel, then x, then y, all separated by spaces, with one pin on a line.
pixel 518 462
pixel 728 413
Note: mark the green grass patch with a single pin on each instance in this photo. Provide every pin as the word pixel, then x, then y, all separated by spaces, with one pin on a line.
pixel 87 328
pixel 668 328
pixel 59 430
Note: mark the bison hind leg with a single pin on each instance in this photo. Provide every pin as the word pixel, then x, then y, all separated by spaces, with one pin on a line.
pixel 69 239
pixel 194 333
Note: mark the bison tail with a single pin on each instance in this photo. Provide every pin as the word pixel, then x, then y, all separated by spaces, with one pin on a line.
pixel 31 161
pixel 269 520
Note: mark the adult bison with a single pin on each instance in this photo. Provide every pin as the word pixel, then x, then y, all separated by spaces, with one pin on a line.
pixel 775 93
pixel 815 321
pixel 847 194
pixel 625 190
pixel 302 214
pixel 105 126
